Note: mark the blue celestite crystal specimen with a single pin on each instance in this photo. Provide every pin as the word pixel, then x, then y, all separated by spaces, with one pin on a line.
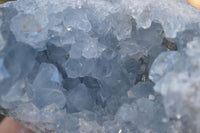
pixel 101 66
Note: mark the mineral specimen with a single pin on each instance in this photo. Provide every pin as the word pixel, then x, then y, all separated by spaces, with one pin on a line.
pixel 90 66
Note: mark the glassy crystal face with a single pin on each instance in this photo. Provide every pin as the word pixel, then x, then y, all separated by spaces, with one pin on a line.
pixel 104 66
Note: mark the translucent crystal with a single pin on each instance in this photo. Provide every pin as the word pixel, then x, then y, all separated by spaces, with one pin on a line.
pixel 28 30
pixel 104 66
pixel 79 99
pixel 76 19
pixel 163 64
pixel 78 67
pixel 3 72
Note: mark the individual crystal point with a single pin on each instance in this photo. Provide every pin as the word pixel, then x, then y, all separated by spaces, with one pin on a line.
pixel 2 42
pixel 23 56
pixel 163 64
pixel 3 72
pixel 28 30
pixel 79 67
pixel 79 99
pixel 46 87
pixel 142 109
pixel 76 19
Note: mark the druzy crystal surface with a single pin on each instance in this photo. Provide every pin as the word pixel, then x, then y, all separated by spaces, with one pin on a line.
pixel 101 66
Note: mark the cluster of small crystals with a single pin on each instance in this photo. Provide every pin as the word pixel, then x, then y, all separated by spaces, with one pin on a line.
pixel 178 81
pixel 82 66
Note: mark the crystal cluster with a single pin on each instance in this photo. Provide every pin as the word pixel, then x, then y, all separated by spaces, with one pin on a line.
pixel 90 66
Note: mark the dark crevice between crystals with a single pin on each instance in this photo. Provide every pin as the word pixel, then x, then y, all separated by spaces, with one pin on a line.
pixel 137 66
pixel 102 91
pixel 170 45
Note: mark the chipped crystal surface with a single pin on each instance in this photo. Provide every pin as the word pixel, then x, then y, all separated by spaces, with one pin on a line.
pixel 101 66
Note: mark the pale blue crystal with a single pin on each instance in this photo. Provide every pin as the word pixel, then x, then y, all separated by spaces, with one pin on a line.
pixel 104 66
pixel 3 72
